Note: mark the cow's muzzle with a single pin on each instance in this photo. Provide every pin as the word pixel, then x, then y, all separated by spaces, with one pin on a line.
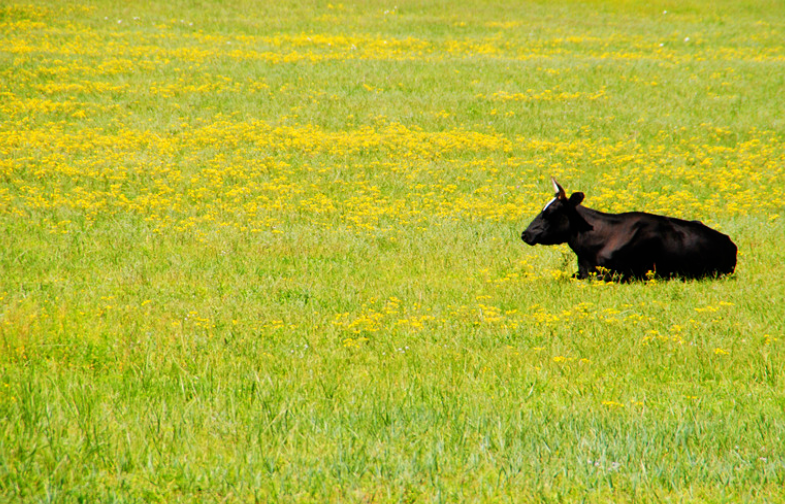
pixel 528 237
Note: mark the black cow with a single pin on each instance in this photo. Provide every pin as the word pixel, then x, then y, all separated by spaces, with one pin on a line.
pixel 631 245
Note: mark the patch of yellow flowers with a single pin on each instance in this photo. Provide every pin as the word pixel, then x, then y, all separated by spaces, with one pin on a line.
pixel 61 161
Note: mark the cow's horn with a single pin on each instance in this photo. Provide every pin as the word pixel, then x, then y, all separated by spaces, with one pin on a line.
pixel 558 189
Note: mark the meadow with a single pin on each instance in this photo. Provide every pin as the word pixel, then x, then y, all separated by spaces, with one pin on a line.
pixel 270 252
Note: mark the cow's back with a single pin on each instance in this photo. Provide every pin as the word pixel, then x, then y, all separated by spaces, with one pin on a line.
pixel 692 249
pixel 635 243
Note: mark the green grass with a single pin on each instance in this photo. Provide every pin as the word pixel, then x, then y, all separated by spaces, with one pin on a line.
pixel 270 252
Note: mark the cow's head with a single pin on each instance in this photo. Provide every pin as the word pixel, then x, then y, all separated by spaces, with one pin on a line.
pixel 557 220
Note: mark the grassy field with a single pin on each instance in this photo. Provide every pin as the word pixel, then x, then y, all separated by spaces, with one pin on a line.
pixel 270 252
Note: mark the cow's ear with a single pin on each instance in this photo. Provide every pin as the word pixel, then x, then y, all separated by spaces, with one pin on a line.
pixel 576 198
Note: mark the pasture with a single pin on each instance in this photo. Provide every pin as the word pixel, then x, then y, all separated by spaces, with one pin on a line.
pixel 270 252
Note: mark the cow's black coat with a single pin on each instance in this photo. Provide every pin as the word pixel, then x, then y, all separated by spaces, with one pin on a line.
pixel 631 245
